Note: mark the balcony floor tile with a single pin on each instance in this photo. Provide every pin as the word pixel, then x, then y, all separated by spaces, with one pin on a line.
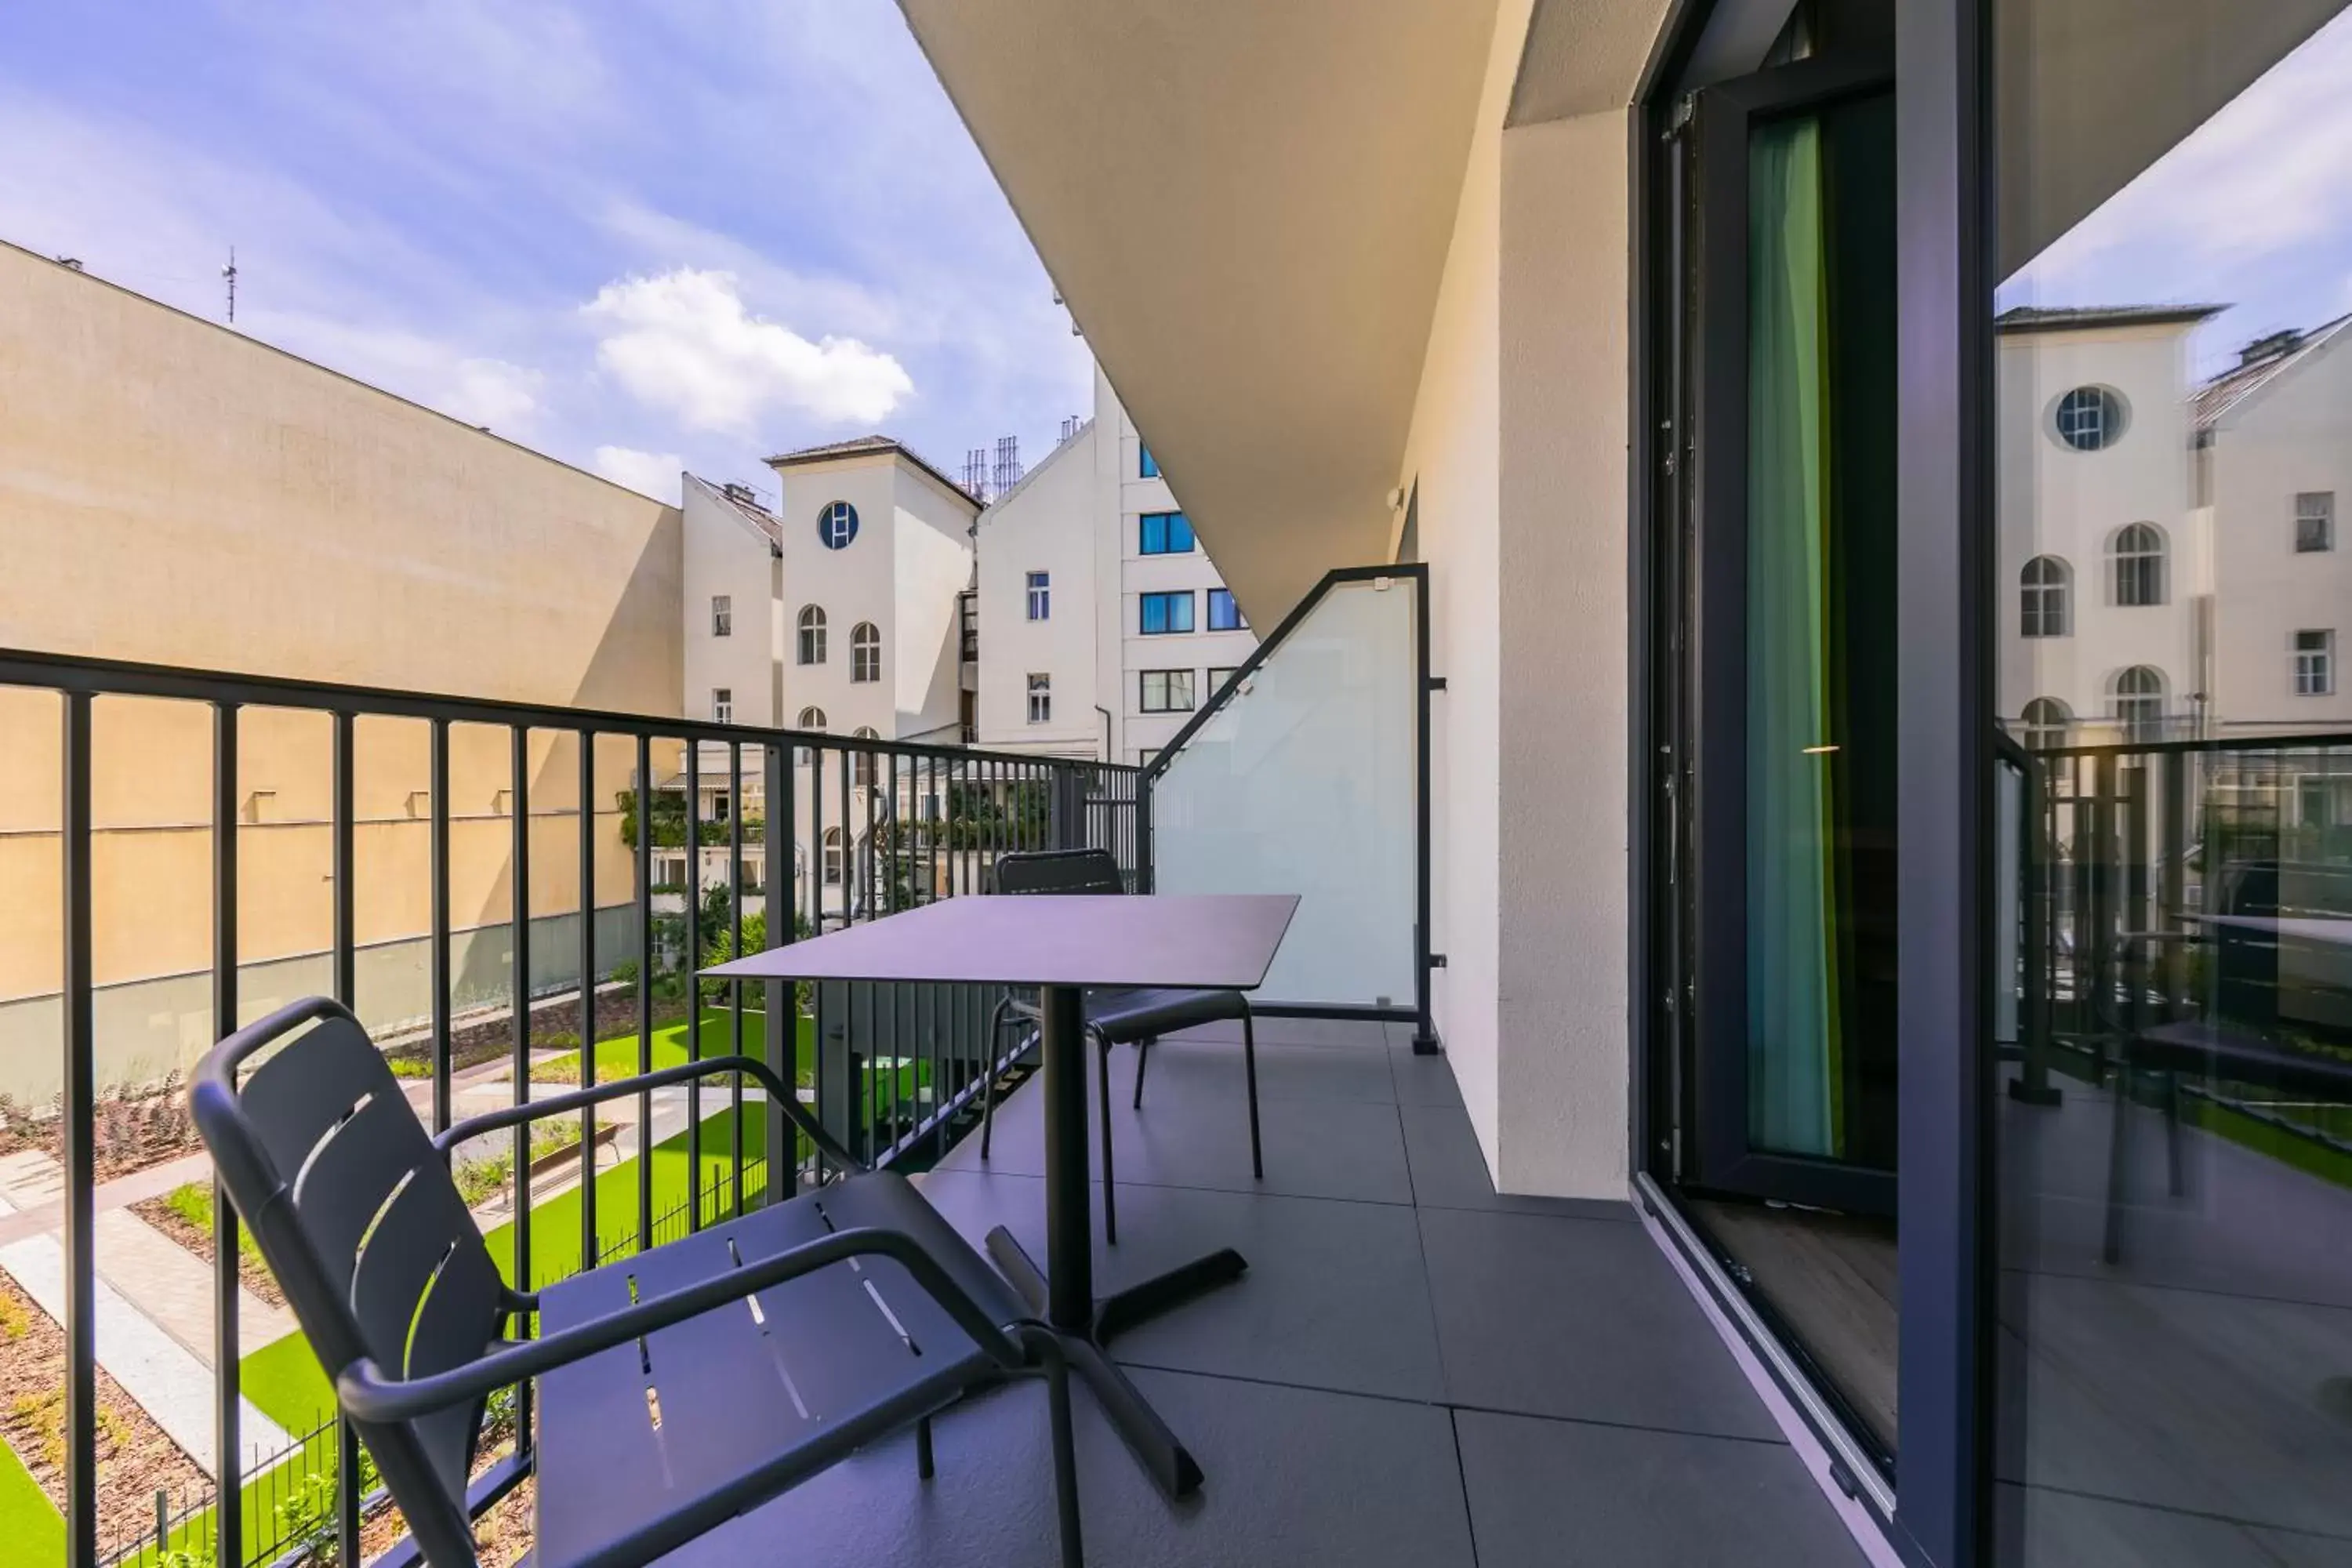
pixel 1561 1494
pixel 1579 1318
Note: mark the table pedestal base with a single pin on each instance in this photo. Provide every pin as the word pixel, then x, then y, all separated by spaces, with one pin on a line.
pixel 1146 1435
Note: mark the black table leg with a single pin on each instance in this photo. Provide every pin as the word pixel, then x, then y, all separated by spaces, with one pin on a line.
pixel 1064 1292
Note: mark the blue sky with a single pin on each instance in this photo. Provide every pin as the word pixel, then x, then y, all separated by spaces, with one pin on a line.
pixel 634 236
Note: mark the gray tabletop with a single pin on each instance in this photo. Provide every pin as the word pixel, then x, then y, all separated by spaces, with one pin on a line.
pixel 1214 941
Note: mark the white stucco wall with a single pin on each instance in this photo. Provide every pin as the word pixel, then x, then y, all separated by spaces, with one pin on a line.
pixel 2293 435
pixel 932 546
pixel 1518 454
pixel 725 554
pixel 1046 525
pixel 2055 501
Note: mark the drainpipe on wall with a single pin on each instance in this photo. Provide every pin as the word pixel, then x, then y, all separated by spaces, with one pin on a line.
pixel 1106 713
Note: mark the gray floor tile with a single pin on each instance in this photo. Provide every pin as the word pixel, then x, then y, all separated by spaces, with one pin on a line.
pixel 1296 1478
pixel 1314 1148
pixel 1305 1313
pixel 1449 1171
pixel 1579 1318
pixel 1553 1494
pixel 1422 1080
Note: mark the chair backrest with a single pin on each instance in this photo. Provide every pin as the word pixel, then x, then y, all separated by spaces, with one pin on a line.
pixel 357 1217
pixel 1058 871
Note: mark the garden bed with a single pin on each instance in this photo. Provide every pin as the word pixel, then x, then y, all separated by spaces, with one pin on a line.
pixel 136 1459
pixel 132 1132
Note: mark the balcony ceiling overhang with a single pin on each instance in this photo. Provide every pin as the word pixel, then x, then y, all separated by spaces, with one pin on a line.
pixel 1247 208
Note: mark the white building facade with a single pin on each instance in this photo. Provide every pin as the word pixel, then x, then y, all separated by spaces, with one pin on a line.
pixel 1104 624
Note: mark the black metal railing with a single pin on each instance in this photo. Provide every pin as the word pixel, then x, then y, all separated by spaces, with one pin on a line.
pixel 869 827
pixel 2131 863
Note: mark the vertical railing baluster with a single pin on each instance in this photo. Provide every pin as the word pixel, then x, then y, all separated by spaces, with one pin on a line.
pixel 644 989
pixel 340 816
pixel 735 950
pixel 438 852
pixel 848 850
pixel 693 982
pixel 518 751
pixel 228 1516
pixel 588 995
pixel 81 1138
pixel 783 1015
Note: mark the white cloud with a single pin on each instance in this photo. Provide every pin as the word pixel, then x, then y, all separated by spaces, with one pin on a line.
pixel 654 474
pixel 493 393
pixel 682 342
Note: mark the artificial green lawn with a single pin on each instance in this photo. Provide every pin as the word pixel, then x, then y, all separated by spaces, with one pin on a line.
pixel 617 1059
pixel 29 1523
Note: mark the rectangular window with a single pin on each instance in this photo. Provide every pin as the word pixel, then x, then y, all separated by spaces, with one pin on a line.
pixel 1041 596
pixel 723 616
pixel 1144 754
pixel 1165 691
pixel 1224 615
pixel 722 705
pixel 1147 467
pixel 2315 664
pixel 1159 613
pixel 2314 521
pixel 1217 677
pixel 1041 698
pixel 1163 533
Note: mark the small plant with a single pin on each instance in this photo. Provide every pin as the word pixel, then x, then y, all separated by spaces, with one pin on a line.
pixel 201 1556
pixel 112 1426
pixel 16 1319
pixel 409 1066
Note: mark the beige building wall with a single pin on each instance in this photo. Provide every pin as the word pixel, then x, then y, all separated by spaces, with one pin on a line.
pixel 174 492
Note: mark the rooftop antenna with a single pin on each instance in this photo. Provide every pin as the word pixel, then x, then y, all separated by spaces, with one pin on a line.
pixel 229 273
pixel 975 473
pixel 1007 472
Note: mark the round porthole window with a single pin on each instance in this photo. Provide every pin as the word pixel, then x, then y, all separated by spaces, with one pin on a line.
pixel 836 524
pixel 2088 419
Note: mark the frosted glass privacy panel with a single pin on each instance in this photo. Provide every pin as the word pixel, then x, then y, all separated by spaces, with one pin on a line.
pixel 1302 782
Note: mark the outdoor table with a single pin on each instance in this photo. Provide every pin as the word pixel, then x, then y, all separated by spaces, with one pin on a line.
pixel 1062 945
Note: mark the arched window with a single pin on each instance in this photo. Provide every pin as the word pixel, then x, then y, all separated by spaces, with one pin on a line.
pixel 2043 724
pixel 832 857
pixel 2089 418
pixel 811 719
pixel 836 524
pixel 2138 702
pixel 864 652
pixel 2044 588
pixel 2139 557
pixel 812 635
pixel 861 762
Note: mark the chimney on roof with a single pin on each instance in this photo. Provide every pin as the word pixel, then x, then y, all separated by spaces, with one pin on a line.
pixel 2268 347
pixel 739 493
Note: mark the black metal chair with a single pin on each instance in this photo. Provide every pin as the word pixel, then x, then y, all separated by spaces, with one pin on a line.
pixel 677 1388
pixel 1113 1016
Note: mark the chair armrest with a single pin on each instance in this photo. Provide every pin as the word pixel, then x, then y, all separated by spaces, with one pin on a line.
pixel 581 1099
pixel 368 1395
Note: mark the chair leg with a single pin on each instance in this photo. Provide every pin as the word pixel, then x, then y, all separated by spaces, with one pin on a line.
pixel 2172 1134
pixel 1249 1066
pixel 2118 1162
pixel 1102 1095
pixel 923 1466
pixel 1142 1060
pixel 988 1075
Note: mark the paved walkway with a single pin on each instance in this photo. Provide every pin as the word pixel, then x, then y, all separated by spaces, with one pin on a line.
pixel 153 1364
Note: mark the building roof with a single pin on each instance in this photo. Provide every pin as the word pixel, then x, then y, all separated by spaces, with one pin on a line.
pixel 2085 318
pixel 2261 362
pixel 1051 459
pixel 863 446
pixel 762 520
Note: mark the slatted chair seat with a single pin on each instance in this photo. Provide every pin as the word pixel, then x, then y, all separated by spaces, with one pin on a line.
pixel 677 1388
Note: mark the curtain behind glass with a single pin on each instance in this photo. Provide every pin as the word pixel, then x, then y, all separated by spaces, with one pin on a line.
pixel 1794 1049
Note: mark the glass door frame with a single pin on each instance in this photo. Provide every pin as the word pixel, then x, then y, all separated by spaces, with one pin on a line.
pixel 1945 268
pixel 1714 397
